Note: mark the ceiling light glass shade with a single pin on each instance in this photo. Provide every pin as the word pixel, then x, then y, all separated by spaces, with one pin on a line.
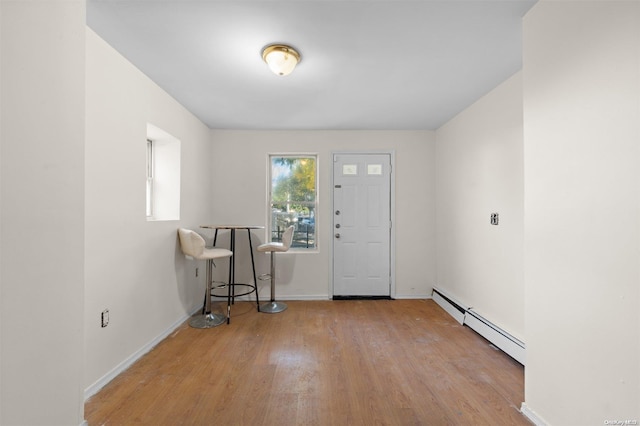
pixel 280 58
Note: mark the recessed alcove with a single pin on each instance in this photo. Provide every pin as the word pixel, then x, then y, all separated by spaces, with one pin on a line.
pixel 163 175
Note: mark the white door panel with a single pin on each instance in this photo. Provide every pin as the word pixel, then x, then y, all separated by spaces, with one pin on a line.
pixel 361 224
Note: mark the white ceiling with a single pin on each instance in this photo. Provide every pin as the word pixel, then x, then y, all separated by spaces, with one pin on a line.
pixel 395 65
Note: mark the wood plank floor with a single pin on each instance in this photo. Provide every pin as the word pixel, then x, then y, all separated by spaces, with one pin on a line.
pixel 373 362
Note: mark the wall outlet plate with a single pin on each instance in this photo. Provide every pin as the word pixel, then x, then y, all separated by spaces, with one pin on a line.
pixel 105 318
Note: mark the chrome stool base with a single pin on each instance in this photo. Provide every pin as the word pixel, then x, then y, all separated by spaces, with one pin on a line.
pixel 207 321
pixel 273 307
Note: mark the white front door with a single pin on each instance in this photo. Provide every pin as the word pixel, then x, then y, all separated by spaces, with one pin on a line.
pixel 361 225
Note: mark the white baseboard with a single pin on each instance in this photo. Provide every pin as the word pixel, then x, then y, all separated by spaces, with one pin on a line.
pixel 500 338
pixel 104 380
pixel 452 308
pixel 532 416
pixel 412 296
pixel 264 299
pixel 305 297
pixel 467 316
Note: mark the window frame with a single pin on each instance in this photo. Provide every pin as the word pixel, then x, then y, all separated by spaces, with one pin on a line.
pixel 314 204
pixel 150 177
pixel 163 178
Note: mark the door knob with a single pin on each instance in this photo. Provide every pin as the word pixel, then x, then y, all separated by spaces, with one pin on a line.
pixel 338 236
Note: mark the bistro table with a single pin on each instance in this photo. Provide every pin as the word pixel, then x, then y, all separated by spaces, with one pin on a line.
pixel 232 284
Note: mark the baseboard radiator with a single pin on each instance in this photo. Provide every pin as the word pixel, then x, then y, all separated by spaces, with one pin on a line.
pixel 465 315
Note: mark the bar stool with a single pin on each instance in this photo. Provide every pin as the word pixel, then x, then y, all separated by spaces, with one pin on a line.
pixel 193 245
pixel 274 307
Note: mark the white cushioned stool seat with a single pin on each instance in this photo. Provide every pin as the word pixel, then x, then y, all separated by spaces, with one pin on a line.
pixel 273 246
pixel 193 245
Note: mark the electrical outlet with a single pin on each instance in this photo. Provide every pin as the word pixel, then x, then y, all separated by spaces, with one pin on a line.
pixel 494 218
pixel 105 318
pixel 196 272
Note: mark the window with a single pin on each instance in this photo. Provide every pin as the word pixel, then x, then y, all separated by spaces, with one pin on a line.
pixel 149 178
pixel 163 175
pixel 293 198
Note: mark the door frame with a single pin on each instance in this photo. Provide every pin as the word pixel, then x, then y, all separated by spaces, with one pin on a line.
pixel 392 215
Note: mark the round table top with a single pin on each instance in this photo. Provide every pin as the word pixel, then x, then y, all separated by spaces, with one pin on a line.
pixel 232 226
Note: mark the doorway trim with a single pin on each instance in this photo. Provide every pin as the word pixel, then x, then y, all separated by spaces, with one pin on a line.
pixel 392 214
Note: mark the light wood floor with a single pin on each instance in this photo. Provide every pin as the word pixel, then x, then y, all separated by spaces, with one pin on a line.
pixel 373 362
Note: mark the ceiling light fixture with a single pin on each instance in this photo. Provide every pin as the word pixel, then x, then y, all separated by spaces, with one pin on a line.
pixel 282 59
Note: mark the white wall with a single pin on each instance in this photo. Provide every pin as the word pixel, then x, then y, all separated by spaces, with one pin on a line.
pixel 1 212
pixel 42 211
pixel 239 170
pixel 582 203
pixel 134 267
pixel 479 164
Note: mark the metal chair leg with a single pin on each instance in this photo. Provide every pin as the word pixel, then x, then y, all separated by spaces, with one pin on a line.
pixel 207 319
pixel 273 307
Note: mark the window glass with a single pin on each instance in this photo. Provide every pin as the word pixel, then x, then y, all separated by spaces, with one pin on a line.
pixel 293 198
pixel 149 178
pixel 163 175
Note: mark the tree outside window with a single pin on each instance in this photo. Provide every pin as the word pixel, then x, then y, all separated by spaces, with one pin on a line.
pixel 293 199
